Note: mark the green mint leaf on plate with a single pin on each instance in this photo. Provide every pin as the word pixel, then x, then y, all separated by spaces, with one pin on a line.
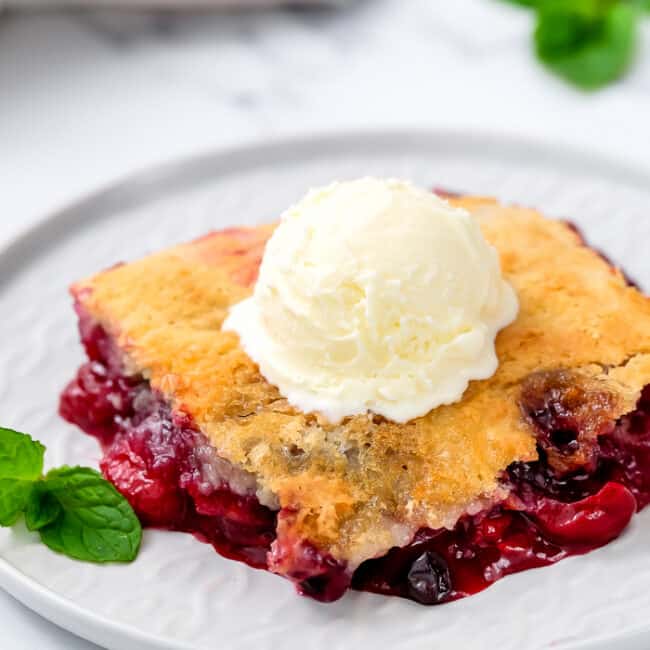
pixel 75 510
pixel 42 508
pixel 588 42
pixel 20 456
pixel 14 495
pixel 96 522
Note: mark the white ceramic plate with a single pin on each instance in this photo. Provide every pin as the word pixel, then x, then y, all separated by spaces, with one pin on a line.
pixel 179 592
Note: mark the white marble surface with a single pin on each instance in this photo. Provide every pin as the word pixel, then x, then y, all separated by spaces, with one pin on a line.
pixel 86 99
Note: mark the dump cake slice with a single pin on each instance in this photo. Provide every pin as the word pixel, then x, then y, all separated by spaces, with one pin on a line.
pixel 548 457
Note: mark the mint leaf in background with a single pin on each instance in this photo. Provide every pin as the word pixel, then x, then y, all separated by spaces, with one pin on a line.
pixel 14 495
pixel 20 456
pixel 588 42
pixel 42 508
pixel 96 522
pixel 525 3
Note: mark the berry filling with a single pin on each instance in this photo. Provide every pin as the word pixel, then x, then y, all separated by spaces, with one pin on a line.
pixel 159 460
pixel 592 474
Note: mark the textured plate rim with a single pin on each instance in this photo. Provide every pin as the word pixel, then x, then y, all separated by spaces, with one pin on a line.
pixel 157 181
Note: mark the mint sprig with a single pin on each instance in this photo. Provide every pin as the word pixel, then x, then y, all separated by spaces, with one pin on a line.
pixel 74 509
pixel 20 456
pixel 14 496
pixel 589 43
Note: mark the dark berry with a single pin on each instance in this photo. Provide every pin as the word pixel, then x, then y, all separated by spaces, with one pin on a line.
pixel 429 581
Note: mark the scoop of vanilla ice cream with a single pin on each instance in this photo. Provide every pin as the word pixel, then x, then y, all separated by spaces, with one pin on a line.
pixel 374 295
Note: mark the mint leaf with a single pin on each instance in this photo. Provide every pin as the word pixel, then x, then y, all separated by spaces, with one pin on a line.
pixel 14 495
pixel 588 42
pixel 525 3
pixel 21 463
pixel 20 456
pixel 96 522
pixel 76 511
pixel 42 508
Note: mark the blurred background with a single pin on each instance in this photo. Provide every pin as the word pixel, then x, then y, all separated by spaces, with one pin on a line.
pixel 89 96
pixel 90 92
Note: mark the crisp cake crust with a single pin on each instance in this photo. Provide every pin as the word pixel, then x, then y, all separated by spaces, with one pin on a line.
pixel 358 488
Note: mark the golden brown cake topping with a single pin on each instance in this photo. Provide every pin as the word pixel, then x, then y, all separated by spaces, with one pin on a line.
pixel 366 484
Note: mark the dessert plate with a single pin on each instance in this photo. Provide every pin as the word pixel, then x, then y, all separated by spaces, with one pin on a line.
pixel 179 592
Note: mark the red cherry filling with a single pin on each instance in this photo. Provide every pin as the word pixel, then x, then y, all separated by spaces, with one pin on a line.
pixel 315 574
pixel 158 459
pixel 592 473
pixel 484 548
pixel 153 496
pixel 593 521
pixel 95 400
